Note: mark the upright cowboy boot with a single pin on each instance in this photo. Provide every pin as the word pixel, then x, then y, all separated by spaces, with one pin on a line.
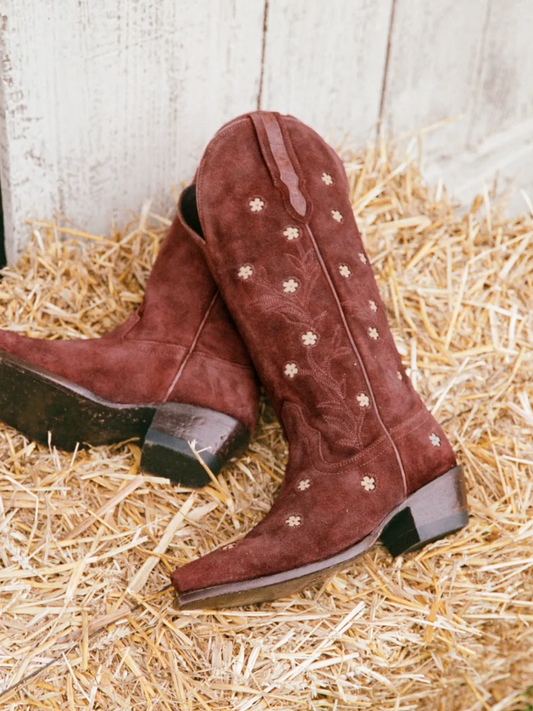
pixel 367 461
pixel 175 372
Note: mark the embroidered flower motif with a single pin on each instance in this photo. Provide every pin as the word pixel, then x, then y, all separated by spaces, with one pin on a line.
pixel 434 439
pixel 309 338
pixel 363 258
pixel 327 179
pixel 373 306
pixel 368 483
pixel 304 484
pixel 228 547
pixel 373 333
pixel 293 521
pixel 245 272
pixel 291 369
pixel 363 399
pixel 344 271
pixel 290 286
pixel 256 205
pixel 336 215
pixel 291 233
pixel 400 376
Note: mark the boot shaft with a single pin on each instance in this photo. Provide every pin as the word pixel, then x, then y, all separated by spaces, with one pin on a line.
pixel 284 247
pixel 182 305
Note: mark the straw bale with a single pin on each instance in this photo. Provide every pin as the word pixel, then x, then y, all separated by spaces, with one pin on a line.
pixel 87 543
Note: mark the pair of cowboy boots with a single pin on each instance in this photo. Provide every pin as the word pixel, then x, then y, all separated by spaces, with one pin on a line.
pixel 267 234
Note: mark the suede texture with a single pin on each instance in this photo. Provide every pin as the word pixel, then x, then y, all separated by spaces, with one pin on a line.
pixel 179 346
pixel 283 245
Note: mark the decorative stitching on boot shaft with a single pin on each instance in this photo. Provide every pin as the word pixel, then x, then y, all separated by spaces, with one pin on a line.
pixel 290 286
pixel 256 204
pixel 309 338
pixel 291 233
pixel 304 484
pixel 373 333
pixel 363 400
pixel 337 216
pixel 344 271
pixel 434 439
pixel 362 458
pixel 327 179
pixel 363 258
pixel 373 305
pixel 368 483
pixel 245 272
pixel 293 521
pixel 291 370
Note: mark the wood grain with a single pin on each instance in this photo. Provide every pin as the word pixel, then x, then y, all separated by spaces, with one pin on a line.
pixel 324 63
pixel 104 103
pixel 433 67
pixel 111 101
pixel 504 89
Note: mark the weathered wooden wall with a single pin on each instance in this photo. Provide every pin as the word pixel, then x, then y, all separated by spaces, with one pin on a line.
pixel 106 102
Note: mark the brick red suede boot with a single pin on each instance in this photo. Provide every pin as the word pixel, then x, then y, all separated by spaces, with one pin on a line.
pixel 174 372
pixel 367 460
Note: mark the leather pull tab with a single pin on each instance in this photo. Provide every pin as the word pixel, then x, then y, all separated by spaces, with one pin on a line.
pixel 269 131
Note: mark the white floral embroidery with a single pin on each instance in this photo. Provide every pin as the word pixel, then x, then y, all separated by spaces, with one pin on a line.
pixel 344 271
pixel 368 483
pixel 304 484
pixel 373 305
pixel 293 521
pixel 327 179
pixel 245 272
pixel 291 369
pixel 336 215
pixel 400 377
pixel 290 286
pixel 362 257
pixel 373 333
pixel 228 547
pixel 363 399
pixel 309 338
pixel 291 233
pixel 256 205
pixel 434 439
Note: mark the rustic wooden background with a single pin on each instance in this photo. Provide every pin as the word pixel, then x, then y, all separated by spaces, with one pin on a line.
pixel 106 102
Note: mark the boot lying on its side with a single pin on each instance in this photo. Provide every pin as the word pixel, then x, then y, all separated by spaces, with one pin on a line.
pixel 367 460
pixel 174 372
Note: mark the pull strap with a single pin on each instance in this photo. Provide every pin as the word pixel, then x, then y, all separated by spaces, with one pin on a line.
pixel 277 157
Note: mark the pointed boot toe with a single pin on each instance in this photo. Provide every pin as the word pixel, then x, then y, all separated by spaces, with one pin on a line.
pixel 175 373
pixel 367 461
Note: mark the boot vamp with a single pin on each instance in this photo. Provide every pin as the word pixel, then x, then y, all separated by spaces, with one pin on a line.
pixel 315 517
pixel 114 369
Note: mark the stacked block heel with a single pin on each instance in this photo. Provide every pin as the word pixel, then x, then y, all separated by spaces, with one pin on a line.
pixel 434 511
pixel 178 430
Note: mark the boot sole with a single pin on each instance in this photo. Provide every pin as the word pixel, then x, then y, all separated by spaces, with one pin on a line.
pixel 433 512
pixel 42 405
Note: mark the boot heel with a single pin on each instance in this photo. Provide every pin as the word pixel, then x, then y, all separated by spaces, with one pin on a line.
pixel 166 450
pixel 432 512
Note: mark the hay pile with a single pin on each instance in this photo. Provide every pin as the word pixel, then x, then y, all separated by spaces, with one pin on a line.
pixel 450 628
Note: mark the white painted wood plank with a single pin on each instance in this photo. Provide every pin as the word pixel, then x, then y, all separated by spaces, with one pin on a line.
pixel 433 68
pixel 324 63
pixel 504 90
pixel 504 162
pixel 108 102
